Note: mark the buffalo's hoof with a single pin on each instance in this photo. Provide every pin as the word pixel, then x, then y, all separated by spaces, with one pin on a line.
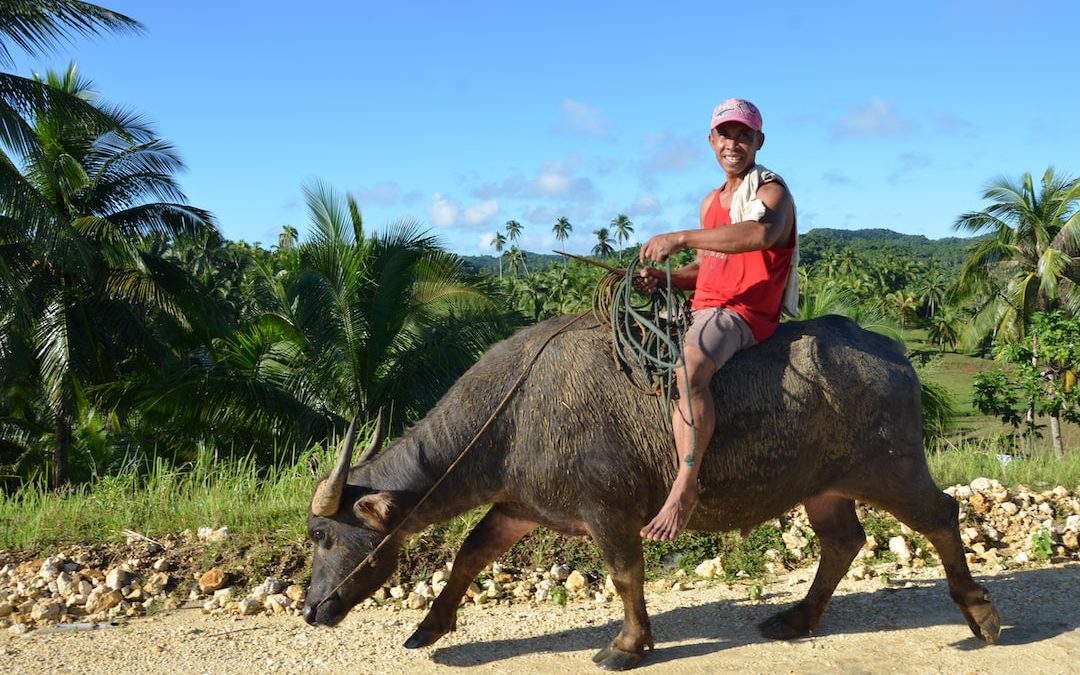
pixel 984 622
pixel 780 627
pixel 422 638
pixel 610 658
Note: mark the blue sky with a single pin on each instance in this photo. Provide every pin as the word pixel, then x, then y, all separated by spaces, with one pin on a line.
pixel 466 115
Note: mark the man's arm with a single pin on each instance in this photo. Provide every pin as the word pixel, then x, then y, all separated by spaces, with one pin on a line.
pixel 683 278
pixel 748 235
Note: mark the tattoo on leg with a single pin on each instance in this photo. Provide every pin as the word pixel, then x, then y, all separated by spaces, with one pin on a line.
pixel 689 461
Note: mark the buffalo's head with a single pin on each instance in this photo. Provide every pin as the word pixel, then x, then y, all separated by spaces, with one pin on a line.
pixel 345 524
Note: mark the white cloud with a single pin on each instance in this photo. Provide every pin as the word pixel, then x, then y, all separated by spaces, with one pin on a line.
pixel 441 211
pixel 582 119
pixel 385 192
pixel 646 205
pixel 480 214
pixel 552 181
pixel 876 119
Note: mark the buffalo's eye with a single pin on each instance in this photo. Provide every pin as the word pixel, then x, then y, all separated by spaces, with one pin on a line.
pixel 318 535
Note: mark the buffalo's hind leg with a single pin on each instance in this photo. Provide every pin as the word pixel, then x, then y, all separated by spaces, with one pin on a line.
pixel 841 536
pixel 917 502
pixel 491 537
pixel 621 548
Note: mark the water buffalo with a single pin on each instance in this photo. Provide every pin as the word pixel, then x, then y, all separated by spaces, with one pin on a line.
pixel 822 414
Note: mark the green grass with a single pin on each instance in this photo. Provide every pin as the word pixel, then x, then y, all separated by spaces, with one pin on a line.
pixel 956 374
pixel 252 501
pixel 953 464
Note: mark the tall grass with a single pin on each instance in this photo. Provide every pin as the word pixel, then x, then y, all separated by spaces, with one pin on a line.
pixel 268 504
pixel 263 501
pixel 953 464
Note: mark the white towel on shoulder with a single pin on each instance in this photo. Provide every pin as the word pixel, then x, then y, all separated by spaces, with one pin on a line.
pixel 745 205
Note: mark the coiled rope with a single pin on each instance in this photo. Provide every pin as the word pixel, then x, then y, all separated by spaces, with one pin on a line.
pixel 646 333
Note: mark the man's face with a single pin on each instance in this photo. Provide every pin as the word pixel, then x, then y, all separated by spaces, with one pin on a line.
pixel 736 146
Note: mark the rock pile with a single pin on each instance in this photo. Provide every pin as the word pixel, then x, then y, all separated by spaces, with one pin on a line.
pixel 1000 528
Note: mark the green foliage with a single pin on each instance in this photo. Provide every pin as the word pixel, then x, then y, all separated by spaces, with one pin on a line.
pixel 939 410
pixel 748 555
pixel 559 595
pixel 686 551
pixel 1043 367
pixel 1041 544
pixel 882 529
pixel 995 394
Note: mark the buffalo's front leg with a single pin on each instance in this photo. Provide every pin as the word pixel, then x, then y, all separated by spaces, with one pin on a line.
pixel 491 537
pixel 622 553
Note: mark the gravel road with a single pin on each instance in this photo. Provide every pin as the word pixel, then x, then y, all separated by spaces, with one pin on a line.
pixel 868 629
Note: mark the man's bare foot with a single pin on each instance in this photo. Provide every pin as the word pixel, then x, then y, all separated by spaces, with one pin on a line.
pixel 673 516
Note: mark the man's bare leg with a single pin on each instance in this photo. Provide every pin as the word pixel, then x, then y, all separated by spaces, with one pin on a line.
pixel 675 513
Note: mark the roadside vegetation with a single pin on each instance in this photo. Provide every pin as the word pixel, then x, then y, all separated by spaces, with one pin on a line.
pixel 156 377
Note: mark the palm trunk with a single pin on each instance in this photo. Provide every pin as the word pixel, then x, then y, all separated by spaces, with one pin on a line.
pixel 1030 417
pixel 62 450
pixel 1055 435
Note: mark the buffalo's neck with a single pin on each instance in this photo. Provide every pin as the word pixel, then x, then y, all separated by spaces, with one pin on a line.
pixel 426 463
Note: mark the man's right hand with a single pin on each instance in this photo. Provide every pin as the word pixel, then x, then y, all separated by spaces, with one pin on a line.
pixel 649 279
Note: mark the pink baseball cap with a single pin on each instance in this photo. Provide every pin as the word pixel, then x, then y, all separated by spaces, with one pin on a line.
pixel 736 110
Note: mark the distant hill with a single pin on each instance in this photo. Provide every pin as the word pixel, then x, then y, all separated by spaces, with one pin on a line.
pixel 948 251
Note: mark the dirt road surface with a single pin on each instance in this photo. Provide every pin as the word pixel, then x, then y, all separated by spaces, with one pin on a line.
pixel 868 629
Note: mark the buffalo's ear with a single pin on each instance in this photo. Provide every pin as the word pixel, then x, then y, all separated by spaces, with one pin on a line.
pixel 374 510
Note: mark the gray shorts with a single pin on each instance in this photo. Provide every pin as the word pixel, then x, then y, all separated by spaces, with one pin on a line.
pixel 719 333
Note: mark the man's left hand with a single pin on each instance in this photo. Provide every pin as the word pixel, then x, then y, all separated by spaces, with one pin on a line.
pixel 661 246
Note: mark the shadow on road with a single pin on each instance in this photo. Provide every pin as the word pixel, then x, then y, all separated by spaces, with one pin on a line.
pixel 726 624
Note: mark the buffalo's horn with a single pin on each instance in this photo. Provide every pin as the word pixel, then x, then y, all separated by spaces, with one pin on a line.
pixel 327 497
pixel 376 438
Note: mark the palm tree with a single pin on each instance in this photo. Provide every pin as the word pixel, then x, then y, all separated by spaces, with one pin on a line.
pixel 37 26
pixel 288 238
pixel 1027 263
pixel 40 25
pixel 623 227
pixel 604 243
pixel 513 230
pixel 370 325
pixel 944 329
pixel 902 305
pixel 499 242
pixel 562 229
pixel 90 301
pixel 932 288
pixel 516 258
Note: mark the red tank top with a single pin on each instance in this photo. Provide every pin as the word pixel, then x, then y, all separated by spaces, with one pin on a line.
pixel 752 283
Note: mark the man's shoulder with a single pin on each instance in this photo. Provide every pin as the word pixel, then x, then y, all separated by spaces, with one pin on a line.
pixel 775 189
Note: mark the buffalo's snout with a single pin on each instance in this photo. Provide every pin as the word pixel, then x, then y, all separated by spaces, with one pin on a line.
pixel 325 612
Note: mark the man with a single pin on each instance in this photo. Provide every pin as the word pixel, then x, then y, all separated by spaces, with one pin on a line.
pixel 745 252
